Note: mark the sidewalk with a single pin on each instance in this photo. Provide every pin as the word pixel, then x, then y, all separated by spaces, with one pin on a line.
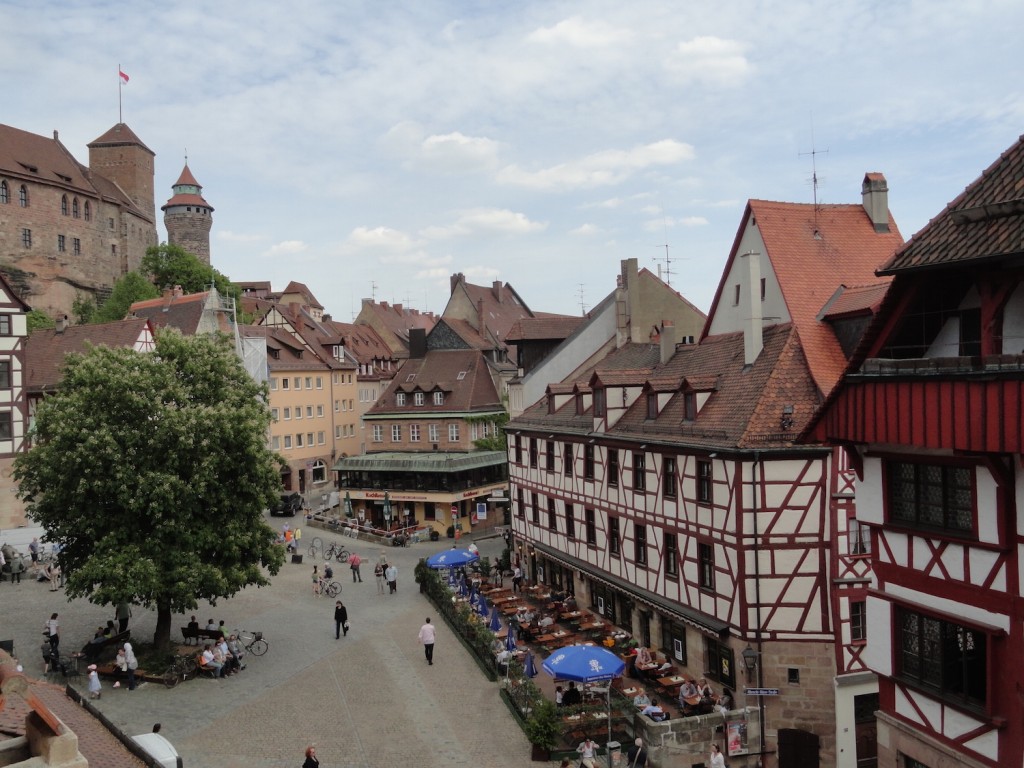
pixel 368 699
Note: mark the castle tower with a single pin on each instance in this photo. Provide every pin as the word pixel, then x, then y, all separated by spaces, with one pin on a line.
pixel 188 217
pixel 119 155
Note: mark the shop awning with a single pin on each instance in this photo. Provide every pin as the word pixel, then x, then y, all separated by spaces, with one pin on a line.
pixel 677 611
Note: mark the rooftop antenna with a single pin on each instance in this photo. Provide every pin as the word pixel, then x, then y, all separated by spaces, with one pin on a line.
pixel 814 173
pixel 583 304
pixel 665 272
pixel 373 291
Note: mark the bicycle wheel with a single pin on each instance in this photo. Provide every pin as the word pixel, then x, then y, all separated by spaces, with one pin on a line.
pixel 329 552
pixel 258 647
pixel 343 555
pixel 187 665
pixel 317 542
pixel 172 676
pixel 313 551
pixel 333 589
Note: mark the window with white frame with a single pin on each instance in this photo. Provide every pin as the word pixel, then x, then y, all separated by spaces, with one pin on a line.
pixel 287 442
pixel 309 382
pixel 309 438
pixel 275 414
pixel 309 411
pixel 337 432
pixel 273 384
pixel 439 398
pixel 275 443
pixel 433 433
pixel 414 433
pixel 319 411
pixel 285 383
pixel 453 433
pixel 337 406
pixel 396 433
pixel 319 382
pixel 297 382
pixel 378 433
pixel 298 411
pixel 319 471
pixel 287 413
pixel 298 440
pixel 400 398
pixel 321 438
pixel 419 398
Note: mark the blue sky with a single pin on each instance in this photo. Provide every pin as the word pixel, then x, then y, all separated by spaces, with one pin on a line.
pixel 374 148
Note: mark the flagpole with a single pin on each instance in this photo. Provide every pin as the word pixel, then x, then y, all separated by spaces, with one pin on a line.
pixel 120 115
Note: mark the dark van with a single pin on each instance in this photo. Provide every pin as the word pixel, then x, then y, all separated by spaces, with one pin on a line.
pixel 288 503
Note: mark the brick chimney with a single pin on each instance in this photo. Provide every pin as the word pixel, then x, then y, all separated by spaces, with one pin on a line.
pixel 455 279
pixel 667 340
pixel 498 289
pixel 753 333
pixel 875 193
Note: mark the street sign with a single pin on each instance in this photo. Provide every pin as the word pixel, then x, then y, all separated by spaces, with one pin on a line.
pixel 761 691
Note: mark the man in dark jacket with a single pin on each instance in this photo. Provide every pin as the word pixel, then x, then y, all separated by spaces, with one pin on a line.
pixel 340 619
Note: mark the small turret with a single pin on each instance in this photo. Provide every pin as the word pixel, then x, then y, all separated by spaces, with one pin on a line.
pixel 188 217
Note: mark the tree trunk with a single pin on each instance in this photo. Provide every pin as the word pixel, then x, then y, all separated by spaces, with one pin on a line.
pixel 162 636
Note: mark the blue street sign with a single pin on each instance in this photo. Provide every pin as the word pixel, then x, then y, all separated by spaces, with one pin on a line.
pixel 761 691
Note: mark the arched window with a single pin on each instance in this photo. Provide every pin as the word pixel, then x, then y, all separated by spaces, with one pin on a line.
pixel 3 192
pixel 74 208
pixel 88 211
pixel 64 205
pixel 23 196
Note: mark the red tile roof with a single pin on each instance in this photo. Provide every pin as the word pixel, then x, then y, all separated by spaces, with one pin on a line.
pixel 181 312
pixel 859 300
pixel 45 349
pixel 119 134
pixel 984 222
pixel 441 369
pixel 300 288
pixel 543 328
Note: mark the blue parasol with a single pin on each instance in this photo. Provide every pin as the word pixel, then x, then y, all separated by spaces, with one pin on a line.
pixel 452 558
pixel 482 608
pixel 510 641
pixel 462 589
pixel 586 664
pixel 495 624
pixel 529 667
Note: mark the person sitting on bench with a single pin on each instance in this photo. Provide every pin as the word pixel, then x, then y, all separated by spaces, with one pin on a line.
pixel 654 711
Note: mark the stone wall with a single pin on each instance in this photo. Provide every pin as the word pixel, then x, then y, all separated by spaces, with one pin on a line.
pixel 687 741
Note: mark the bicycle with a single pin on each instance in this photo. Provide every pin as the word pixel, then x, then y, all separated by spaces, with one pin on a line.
pixel 337 552
pixel 182 667
pixel 252 642
pixel 315 547
pixel 330 588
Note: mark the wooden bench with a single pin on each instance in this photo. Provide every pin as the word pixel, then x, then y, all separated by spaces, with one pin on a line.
pixel 93 651
pixel 204 669
pixel 195 634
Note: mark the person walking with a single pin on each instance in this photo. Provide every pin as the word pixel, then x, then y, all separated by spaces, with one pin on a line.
pixel 391 574
pixel 33 550
pixel 311 760
pixel 55 576
pixel 122 614
pixel 637 755
pixel 354 560
pixel 717 758
pixel 53 635
pixel 340 619
pixel 95 689
pixel 517 579
pixel 17 568
pixel 133 664
pixel 378 572
pixel 427 636
pixel 316 582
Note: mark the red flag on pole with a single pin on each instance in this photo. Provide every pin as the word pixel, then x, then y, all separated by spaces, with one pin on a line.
pixel 124 77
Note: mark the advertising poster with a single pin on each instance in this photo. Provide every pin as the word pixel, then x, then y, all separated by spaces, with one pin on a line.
pixel 737 738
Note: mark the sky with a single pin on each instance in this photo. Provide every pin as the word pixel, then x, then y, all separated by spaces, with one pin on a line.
pixel 373 149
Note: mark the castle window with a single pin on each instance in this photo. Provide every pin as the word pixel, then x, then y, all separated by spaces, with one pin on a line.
pixel 64 205
pixel 931 496
pixel 88 211
pixel 60 243
pixel 110 222
pixel 3 192
pixel 76 245
pixel 23 196
pixel 74 209
pixel 26 238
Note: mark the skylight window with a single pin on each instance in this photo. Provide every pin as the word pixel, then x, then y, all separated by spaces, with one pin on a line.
pixel 461 376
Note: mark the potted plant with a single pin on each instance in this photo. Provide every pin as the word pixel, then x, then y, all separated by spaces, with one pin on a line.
pixel 542 729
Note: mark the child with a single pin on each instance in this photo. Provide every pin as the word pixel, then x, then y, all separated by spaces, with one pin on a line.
pixel 95 690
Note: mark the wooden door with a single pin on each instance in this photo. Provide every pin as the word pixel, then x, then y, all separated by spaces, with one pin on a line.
pixel 797 749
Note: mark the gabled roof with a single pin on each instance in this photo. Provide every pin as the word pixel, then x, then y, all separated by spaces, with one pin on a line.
pixel 547 328
pixel 812 250
pixel 462 374
pixel 300 289
pixel 181 312
pixel 46 348
pixel 858 300
pixel 984 222
pixel 119 134
pixel 286 353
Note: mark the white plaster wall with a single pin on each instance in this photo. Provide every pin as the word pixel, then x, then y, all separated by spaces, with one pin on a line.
pixel 846 732
pixel 1013 323
pixel 878 653
pixel 730 317
pixel 870 508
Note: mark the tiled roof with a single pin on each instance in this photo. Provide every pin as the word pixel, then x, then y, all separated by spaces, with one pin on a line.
pixel 985 221
pixel 361 341
pixel 543 328
pixel 45 349
pixel 119 134
pixel 292 355
pixel 746 409
pixel 181 312
pixel 302 290
pixel 859 300
pixel 812 252
pixel 441 369
pixel 187 178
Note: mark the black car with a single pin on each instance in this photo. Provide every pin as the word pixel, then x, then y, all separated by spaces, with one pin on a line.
pixel 288 503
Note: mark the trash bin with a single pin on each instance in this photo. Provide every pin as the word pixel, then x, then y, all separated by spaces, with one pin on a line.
pixel 297 558
pixel 614 751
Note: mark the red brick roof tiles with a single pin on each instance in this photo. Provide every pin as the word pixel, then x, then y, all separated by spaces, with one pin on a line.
pixel 46 348
pixel 859 300
pixel 441 369
pixel 543 328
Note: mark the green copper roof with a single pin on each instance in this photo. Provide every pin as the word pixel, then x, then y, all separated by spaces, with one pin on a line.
pixel 420 462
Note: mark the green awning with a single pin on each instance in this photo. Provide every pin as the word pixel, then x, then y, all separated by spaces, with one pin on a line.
pixel 421 462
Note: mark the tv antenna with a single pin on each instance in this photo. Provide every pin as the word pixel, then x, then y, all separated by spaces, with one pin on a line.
pixel 583 304
pixel 373 291
pixel 814 168
pixel 665 273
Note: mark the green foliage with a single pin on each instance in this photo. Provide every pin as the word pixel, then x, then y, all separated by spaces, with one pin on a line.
pixel 152 470
pixel 497 441
pixel 542 727
pixel 83 309
pixel 37 319
pixel 170 265
pixel 129 289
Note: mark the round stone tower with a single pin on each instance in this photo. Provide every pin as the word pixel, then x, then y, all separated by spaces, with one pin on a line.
pixel 188 217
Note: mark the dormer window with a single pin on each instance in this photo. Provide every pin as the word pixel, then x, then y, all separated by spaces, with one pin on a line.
pixel 419 398
pixel 439 398
pixel 579 403
pixel 599 402
pixel 690 406
pixel 652 406
pixel 400 398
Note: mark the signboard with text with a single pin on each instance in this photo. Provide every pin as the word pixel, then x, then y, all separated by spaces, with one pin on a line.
pixel 761 691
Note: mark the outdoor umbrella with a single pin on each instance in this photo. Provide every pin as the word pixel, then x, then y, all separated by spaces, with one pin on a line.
pixel 510 641
pixel 482 607
pixel 462 589
pixel 348 505
pixel 451 558
pixel 529 667
pixel 586 664
pixel 495 624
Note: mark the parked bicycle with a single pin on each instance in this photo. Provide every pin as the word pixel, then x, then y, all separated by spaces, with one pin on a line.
pixel 337 552
pixel 181 668
pixel 316 546
pixel 330 588
pixel 252 641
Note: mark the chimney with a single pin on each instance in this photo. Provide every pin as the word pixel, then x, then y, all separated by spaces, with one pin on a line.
pixel 62 324
pixel 417 343
pixel 498 290
pixel 667 341
pixel 875 194
pixel 327 318
pixel 480 316
pixel 753 334
pixel 455 279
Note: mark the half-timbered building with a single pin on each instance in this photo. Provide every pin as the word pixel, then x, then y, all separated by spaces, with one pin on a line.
pixel 665 485
pixel 932 410
pixel 13 402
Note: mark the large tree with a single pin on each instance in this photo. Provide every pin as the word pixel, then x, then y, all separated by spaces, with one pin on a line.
pixel 170 265
pixel 151 470
pixel 129 289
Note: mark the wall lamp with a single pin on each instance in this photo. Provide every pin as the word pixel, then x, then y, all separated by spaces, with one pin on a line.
pixel 749 660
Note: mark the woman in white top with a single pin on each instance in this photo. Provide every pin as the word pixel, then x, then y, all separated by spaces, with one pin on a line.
pixel 717 758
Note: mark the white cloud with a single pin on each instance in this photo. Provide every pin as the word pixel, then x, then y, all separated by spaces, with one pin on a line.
pixel 482 220
pixel 650 210
pixel 611 166
pixel 380 237
pixel 710 60
pixel 575 31
pixel 586 230
pixel 694 221
pixel 287 248
pixel 458 152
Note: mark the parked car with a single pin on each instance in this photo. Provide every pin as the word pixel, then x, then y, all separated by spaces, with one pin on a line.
pixel 288 503
pixel 160 749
